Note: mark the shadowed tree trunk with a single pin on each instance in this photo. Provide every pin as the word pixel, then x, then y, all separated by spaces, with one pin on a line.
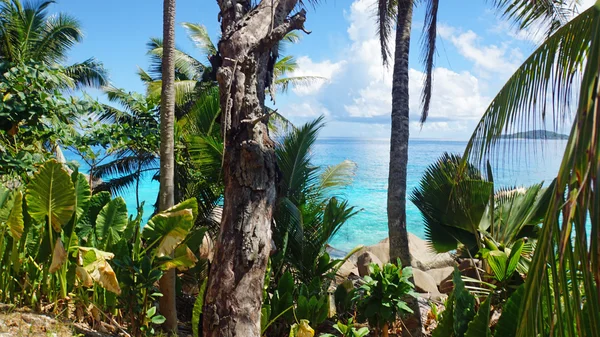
pixel 396 203
pixel 167 149
pixel 247 51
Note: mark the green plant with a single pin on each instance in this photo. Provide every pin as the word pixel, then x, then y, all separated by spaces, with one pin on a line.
pixel 556 84
pixel 382 297
pixel 460 318
pixel 348 330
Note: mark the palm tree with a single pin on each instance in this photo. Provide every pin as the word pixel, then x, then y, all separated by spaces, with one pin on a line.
pixel 400 13
pixel 560 79
pixel 29 34
pixel 133 137
pixel 193 76
pixel 166 198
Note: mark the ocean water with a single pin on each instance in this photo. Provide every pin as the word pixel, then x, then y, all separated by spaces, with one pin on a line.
pixel 525 163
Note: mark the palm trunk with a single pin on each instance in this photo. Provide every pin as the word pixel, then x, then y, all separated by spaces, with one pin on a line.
pixel 396 203
pixel 167 149
pixel 234 294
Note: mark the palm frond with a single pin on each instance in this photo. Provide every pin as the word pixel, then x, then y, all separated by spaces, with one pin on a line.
pixel 386 20
pixel 284 84
pixel 428 54
pixel 60 33
pixel 201 119
pixel 293 158
pixel 525 13
pixel 184 90
pixel 186 67
pixel 199 35
pixel 337 176
pixel 207 154
pixel 89 73
pixel 545 78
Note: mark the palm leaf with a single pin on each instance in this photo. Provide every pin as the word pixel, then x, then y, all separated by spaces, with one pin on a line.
pixel 89 73
pixel 199 35
pixel 337 176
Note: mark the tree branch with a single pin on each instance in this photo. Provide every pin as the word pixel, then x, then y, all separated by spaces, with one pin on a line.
pixel 296 22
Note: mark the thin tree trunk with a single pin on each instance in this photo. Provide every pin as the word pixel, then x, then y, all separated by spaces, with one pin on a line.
pixel 167 149
pixel 247 50
pixel 396 203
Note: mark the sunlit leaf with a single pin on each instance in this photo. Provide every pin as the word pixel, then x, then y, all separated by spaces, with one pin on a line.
pixel 51 194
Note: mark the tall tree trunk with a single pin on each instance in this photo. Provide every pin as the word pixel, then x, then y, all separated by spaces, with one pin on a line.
pixel 248 49
pixel 167 155
pixel 396 203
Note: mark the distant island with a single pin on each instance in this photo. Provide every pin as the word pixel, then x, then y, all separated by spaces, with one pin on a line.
pixel 535 134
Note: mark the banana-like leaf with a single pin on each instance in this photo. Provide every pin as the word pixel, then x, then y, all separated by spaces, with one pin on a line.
pixel 95 263
pixel 111 222
pixel 445 326
pixel 15 218
pixel 464 305
pixel 51 195
pixel 83 194
pixel 166 230
pixel 59 256
pixel 183 259
pixel 480 325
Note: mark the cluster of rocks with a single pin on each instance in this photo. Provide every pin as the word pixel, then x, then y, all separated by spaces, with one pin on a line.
pixel 432 272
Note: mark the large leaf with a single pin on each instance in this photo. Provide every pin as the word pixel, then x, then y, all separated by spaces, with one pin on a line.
pixel 111 222
pixel 95 263
pixel 445 326
pixel 15 218
pixel 183 259
pixel 83 194
pixel 166 230
pixel 51 194
pixel 480 325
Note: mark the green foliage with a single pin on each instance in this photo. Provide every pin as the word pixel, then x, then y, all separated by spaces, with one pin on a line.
pixel 383 294
pixel 197 311
pixel 480 325
pixel 62 241
pixel 34 115
pixel 460 208
pixel 348 330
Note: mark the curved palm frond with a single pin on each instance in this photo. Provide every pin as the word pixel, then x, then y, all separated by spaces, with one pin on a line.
pixel 186 67
pixel 283 84
pixel 59 34
pixel 293 158
pixel 184 90
pixel 546 78
pixel 199 35
pixel 386 22
pixel 428 54
pixel 525 14
pixel 201 118
pixel 207 154
pixel 336 176
pixel 89 73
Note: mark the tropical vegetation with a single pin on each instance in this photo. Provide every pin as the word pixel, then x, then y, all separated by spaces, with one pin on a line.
pixel 244 215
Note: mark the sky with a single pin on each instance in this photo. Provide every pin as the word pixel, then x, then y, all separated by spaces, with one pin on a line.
pixel 477 51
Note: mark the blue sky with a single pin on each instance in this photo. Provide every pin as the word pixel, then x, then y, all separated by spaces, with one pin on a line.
pixel 477 52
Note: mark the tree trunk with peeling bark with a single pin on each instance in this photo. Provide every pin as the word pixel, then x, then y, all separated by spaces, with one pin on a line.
pixel 247 52
pixel 396 202
pixel 166 199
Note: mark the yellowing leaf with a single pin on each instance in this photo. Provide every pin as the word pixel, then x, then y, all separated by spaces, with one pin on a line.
pixel 183 260
pixel 84 276
pixel 302 329
pixel 59 256
pixel 95 263
pixel 7 97
pixel 168 229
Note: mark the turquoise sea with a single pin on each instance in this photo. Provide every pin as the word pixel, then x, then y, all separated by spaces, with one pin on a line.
pixel 526 162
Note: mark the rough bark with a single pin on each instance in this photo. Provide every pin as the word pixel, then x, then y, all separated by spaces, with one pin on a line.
pixel 396 203
pixel 247 50
pixel 166 200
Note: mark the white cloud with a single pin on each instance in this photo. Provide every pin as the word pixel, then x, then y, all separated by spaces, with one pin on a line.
pixel 490 58
pixel 325 70
pixel 310 109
